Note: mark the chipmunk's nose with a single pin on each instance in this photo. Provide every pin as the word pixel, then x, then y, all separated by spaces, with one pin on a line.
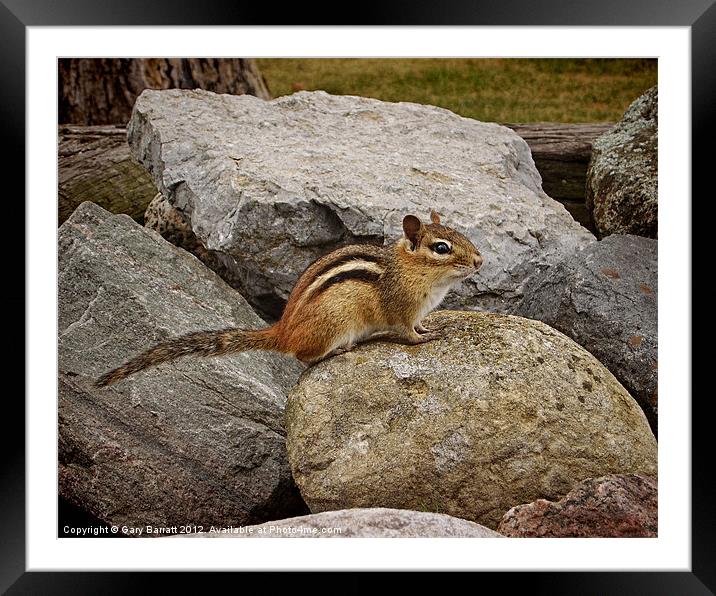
pixel 477 261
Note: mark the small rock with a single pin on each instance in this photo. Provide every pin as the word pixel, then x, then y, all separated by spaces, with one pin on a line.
pixel 617 506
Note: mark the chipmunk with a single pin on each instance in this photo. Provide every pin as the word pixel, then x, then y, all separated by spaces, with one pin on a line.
pixel 352 294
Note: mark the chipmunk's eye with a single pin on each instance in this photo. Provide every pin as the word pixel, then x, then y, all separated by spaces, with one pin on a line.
pixel 441 248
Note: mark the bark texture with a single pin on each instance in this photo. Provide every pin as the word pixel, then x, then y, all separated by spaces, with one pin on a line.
pixel 103 90
pixel 95 164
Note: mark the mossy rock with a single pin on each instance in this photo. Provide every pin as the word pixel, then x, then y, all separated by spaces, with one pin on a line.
pixel 501 411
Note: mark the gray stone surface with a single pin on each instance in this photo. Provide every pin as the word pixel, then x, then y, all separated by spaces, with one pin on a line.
pixel 622 194
pixel 360 523
pixel 605 298
pixel 174 226
pixel 500 411
pixel 617 506
pixel 273 185
pixel 196 441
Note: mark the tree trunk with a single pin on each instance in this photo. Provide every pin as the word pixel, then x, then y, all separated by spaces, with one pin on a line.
pixel 102 90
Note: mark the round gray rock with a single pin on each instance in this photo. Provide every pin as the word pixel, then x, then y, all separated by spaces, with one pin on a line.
pixel 621 192
pixel 502 410
pixel 360 523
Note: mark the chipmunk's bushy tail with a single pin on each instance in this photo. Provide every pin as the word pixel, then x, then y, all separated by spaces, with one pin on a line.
pixel 202 343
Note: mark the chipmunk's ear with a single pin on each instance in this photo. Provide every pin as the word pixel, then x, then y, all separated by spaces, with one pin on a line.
pixel 435 218
pixel 412 227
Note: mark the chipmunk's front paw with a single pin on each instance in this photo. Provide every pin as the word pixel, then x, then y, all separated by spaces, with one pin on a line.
pixel 420 329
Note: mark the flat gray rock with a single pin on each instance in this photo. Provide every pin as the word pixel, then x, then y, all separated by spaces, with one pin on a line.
pixel 605 297
pixel 622 191
pixel 500 411
pixel 273 185
pixel 196 441
pixel 360 523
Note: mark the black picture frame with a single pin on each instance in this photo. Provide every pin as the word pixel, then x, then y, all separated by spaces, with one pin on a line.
pixel 17 15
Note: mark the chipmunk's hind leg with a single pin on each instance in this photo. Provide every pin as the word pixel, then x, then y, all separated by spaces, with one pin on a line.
pixel 313 349
pixel 342 350
pixel 342 345
pixel 420 329
pixel 309 354
pixel 350 323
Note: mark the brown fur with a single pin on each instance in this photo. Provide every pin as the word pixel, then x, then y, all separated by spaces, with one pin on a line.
pixel 202 343
pixel 341 299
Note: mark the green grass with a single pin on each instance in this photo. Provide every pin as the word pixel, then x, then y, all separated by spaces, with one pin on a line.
pixel 490 89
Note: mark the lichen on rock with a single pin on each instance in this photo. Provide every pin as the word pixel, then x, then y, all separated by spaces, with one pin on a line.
pixel 502 410
pixel 622 177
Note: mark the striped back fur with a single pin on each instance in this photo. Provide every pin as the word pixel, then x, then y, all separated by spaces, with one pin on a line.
pixel 363 263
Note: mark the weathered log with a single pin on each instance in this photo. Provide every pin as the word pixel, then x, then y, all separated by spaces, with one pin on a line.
pixel 561 153
pixel 95 164
pixel 103 90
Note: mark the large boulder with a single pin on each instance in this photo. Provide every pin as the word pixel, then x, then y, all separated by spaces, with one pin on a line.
pixel 273 185
pixel 359 523
pixel 618 506
pixel 501 410
pixel 605 298
pixel 193 442
pixel 621 192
